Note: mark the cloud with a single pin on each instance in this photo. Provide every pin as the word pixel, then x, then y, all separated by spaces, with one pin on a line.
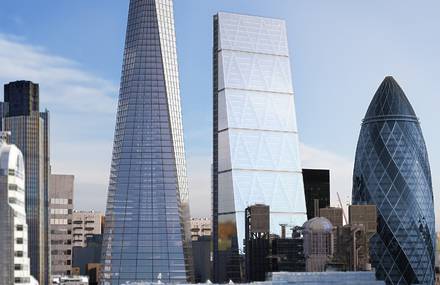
pixel 82 107
pixel 64 84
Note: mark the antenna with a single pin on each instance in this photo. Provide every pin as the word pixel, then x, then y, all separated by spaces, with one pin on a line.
pixel 343 212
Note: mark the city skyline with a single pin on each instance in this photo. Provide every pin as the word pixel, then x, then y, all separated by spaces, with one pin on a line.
pixel 353 80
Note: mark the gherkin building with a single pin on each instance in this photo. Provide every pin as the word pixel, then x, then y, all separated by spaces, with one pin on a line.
pixel 392 172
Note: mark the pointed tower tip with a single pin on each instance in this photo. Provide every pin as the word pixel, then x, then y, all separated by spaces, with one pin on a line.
pixel 389 100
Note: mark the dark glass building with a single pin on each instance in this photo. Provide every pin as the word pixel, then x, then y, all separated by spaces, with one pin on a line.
pixel 316 187
pixel 147 233
pixel 30 132
pixel 392 172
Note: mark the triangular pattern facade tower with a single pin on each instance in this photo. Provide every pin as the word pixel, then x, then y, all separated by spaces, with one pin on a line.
pixel 147 234
pixel 392 172
pixel 256 147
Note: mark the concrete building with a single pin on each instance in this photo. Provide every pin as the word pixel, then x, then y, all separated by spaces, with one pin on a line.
pixel 318 243
pixel 255 145
pixel 14 261
pixel 86 224
pixel 200 227
pixel 334 215
pixel 352 248
pixel 60 223
pixel 365 215
pixel 30 133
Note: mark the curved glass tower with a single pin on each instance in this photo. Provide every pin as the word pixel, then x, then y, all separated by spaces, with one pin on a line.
pixel 147 234
pixel 392 172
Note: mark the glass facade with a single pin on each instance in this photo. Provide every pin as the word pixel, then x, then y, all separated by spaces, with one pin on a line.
pixel 392 172
pixel 316 187
pixel 256 150
pixel 147 234
pixel 30 132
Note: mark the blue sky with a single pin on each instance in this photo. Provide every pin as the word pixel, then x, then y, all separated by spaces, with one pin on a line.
pixel 340 52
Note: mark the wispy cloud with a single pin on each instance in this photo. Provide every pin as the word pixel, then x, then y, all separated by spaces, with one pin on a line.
pixel 64 84
pixel 82 106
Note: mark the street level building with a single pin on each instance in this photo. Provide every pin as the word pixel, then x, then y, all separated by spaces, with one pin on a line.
pixel 255 138
pixel 60 223
pixel 392 172
pixel 147 230
pixel 14 261
pixel 30 133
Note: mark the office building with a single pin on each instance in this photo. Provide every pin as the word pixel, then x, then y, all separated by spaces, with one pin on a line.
pixel 200 227
pixel 316 188
pixel 392 172
pixel 333 214
pixel 147 230
pixel 60 223
pixel 365 215
pixel 256 243
pixel 318 243
pixel 30 133
pixel 201 249
pixel 287 254
pixel 14 261
pixel 86 260
pixel 255 139
pixel 351 248
pixel 86 224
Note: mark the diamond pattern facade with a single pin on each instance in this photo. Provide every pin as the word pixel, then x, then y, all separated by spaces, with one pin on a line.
pixel 256 150
pixel 392 172
pixel 147 234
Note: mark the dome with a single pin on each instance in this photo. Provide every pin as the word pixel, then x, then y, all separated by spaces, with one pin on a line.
pixel 318 224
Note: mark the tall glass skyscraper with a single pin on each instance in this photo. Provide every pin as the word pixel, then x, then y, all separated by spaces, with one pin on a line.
pixel 30 132
pixel 392 172
pixel 147 235
pixel 256 151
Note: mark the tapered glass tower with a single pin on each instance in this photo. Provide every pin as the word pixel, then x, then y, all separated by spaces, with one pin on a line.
pixel 147 219
pixel 392 172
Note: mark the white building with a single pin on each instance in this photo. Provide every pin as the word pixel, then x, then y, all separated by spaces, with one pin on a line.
pixel 86 224
pixel 200 227
pixel 14 261
pixel 256 148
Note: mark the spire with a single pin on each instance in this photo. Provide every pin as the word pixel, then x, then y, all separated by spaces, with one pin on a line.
pixel 389 100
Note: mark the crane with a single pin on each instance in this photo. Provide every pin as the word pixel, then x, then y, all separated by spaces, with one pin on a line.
pixel 342 207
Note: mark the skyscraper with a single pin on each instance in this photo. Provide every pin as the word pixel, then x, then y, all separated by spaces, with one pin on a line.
pixel 60 223
pixel 316 187
pixel 255 143
pixel 392 172
pixel 30 132
pixel 147 233
pixel 14 261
